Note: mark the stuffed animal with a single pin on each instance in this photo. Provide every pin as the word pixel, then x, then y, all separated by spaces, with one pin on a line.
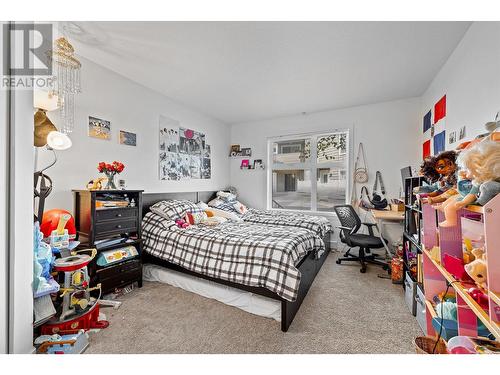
pixel 96 184
pixel 181 223
pixel 477 269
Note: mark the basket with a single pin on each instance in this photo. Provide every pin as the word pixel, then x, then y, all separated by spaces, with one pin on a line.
pixel 425 344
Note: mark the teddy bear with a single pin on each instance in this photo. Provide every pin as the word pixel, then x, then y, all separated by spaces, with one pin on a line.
pixel 477 269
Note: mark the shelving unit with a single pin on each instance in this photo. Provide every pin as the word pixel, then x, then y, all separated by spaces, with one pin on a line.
pixel 449 242
pixel 412 224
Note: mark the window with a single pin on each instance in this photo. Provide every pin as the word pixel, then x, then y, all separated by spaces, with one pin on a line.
pixel 308 178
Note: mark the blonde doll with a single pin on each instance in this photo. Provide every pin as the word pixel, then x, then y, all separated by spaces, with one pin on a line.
pixel 480 179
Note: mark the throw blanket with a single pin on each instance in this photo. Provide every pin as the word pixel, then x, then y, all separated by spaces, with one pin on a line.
pixel 239 252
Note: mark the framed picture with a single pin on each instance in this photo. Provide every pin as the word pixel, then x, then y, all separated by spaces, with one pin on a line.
pixel 245 163
pixel 98 128
pixel 128 138
pixel 235 150
pixel 461 134
pixel 257 164
pixel 246 152
pixel 452 138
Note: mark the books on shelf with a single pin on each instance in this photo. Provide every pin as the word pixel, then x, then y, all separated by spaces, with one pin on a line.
pixel 100 204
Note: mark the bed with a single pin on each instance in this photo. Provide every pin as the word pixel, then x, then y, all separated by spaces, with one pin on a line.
pixel 271 261
pixel 319 224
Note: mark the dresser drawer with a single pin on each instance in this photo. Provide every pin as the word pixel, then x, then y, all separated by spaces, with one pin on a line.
pixel 116 214
pixel 112 271
pixel 120 280
pixel 112 227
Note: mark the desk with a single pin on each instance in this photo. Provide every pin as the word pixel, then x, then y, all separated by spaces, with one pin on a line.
pixel 383 217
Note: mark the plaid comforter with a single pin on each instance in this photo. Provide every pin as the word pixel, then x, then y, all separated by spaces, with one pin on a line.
pixel 318 224
pixel 244 253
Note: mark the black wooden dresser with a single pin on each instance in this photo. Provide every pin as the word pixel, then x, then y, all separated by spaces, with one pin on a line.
pixel 107 220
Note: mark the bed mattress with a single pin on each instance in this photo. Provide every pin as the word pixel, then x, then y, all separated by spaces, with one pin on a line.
pixel 246 301
pixel 240 252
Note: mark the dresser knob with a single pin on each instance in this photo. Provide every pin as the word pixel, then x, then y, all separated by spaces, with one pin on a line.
pixel 118 215
pixel 118 226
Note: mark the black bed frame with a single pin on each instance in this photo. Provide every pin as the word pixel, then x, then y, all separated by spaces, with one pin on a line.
pixel 309 266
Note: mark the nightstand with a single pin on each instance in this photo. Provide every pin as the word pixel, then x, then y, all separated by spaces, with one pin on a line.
pixel 107 220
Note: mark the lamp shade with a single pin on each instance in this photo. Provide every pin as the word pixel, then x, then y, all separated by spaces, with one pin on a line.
pixel 43 126
pixel 58 141
pixel 45 100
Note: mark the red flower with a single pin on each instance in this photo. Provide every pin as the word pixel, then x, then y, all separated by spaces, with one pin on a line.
pixel 101 166
pixel 116 167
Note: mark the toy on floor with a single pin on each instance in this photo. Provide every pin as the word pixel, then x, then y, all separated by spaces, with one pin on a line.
pixel 481 164
pixel 472 345
pixel 68 343
pixel 477 269
pixel 76 290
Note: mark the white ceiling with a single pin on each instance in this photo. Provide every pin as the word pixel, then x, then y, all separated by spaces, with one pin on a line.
pixel 241 71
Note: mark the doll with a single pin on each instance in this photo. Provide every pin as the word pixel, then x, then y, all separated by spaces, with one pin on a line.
pixel 481 165
pixel 440 170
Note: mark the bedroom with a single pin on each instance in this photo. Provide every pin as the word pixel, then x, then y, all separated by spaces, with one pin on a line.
pixel 210 187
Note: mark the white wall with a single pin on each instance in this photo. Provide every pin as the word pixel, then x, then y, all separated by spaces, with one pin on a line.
pixel 387 130
pixel 4 238
pixel 471 81
pixel 132 107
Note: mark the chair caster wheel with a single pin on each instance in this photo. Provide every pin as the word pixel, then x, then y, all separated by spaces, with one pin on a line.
pixel 338 261
pixel 362 270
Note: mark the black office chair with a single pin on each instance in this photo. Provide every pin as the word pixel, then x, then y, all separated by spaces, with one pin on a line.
pixel 350 224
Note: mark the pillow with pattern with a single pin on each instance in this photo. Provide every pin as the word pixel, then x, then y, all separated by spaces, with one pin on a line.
pixel 226 197
pixel 174 209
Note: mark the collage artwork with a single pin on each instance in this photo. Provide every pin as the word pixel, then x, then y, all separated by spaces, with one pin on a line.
pixel 184 153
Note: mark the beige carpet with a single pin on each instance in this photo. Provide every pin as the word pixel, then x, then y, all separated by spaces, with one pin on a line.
pixel 344 312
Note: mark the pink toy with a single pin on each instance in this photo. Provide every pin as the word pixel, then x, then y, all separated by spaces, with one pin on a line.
pixel 181 223
pixel 455 266
pixel 478 296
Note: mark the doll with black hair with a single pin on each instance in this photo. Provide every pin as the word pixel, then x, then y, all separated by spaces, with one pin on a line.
pixel 440 171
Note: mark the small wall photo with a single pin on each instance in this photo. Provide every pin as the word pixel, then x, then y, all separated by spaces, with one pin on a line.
pixel 128 138
pixel 99 128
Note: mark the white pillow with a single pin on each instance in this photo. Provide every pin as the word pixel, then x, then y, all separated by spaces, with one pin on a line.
pixel 220 213
pixel 203 205
pixel 228 215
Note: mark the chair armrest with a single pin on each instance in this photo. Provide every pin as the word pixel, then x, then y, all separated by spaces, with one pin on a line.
pixel 370 227
pixel 346 228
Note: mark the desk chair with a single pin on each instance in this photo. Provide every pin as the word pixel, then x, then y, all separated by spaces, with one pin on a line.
pixel 350 224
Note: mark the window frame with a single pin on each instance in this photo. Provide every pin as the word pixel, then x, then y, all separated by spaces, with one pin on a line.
pixel 312 165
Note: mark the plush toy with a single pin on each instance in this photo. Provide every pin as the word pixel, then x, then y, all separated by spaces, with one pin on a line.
pixel 477 269
pixel 481 165
pixel 194 218
pixel 440 171
pixel 96 184
pixel 181 223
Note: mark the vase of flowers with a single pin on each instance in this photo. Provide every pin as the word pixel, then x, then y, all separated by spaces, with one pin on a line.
pixel 110 170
